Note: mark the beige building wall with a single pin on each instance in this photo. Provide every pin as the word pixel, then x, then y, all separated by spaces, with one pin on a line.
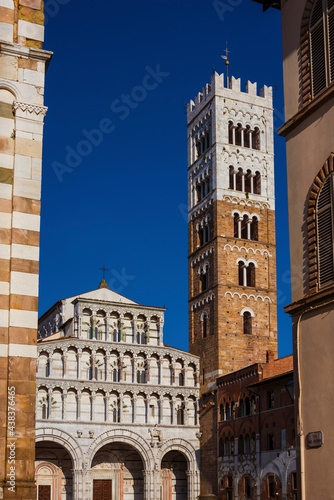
pixel 23 64
pixel 309 142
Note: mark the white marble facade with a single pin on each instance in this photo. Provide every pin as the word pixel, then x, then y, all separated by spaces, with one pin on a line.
pixel 117 409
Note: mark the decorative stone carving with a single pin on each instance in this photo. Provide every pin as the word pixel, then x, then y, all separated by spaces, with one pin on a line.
pixel 32 108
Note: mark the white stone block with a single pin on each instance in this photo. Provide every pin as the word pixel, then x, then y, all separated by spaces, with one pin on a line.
pixel 24 319
pixel 6 191
pixel 5 220
pixel 22 166
pixel 24 284
pixel 3 350
pixel 6 32
pixel 22 350
pixel 29 125
pixel 4 249
pixel 27 188
pixel 25 252
pixel 4 318
pixel 8 4
pixel 7 127
pixel 24 135
pixel 4 288
pixel 33 77
pixel 6 161
pixel 31 30
pixel 26 221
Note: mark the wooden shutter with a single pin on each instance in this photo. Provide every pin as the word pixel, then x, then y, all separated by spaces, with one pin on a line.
pixel 318 61
pixel 331 39
pixel 325 234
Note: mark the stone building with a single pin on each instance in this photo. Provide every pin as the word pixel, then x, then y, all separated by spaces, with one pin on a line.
pixel 232 253
pixel 117 409
pixel 308 45
pixel 23 64
pixel 256 432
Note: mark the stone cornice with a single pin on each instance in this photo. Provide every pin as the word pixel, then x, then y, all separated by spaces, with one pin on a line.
pixel 311 302
pixel 31 108
pixel 14 49
pixel 122 387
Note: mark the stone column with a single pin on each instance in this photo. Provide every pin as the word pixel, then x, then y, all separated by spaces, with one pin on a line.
pixel 243 182
pixel 79 355
pixel 190 485
pixel 173 419
pixel 239 227
pixel 134 370
pixel 148 484
pixel 244 274
pixel 93 399
pixel 121 407
pixel 250 139
pixel 252 183
pixel 50 415
pixel 161 327
pixel 93 361
pixel 159 372
pixel 79 405
pixel 173 373
pixel 134 408
pixel 135 331
pixel 234 179
pixel 64 398
pixel 161 405
pixel 64 365
pixel 107 403
pixel 121 377
pixel 233 135
pixel 148 369
pixel 249 229
pixel 108 367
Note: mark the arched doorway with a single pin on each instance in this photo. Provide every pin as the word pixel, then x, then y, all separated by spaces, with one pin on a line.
pixel 174 476
pixel 53 472
pixel 117 473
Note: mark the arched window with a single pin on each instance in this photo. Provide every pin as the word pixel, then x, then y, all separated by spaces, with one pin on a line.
pixel 239 176
pixel 205 325
pixel 247 323
pixel 257 183
pixel 231 177
pixel 247 407
pixel 204 278
pixel 241 445
pixel 180 416
pixel 238 133
pixel 181 378
pixel 324 220
pixel 227 411
pixel 254 229
pixel 230 132
pixel 236 225
pixel 221 412
pixel 250 274
pixel 233 409
pixel 241 266
pixel 221 447
pixel 253 444
pixel 247 137
pixel 256 138
pixel 248 184
pixel 322 45
pixel 244 229
pixel 227 447
pixel 247 443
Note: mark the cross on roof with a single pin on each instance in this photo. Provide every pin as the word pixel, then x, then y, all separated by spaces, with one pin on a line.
pixel 226 53
pixel 104 269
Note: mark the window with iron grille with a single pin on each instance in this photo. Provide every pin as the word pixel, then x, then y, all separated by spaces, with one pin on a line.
pixel 322 45
pixel 324 218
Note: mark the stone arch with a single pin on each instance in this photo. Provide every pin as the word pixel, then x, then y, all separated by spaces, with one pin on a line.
pixel 124 436
pixel 184 447
pixel 324 172
pixel 10 87
pixel 65 440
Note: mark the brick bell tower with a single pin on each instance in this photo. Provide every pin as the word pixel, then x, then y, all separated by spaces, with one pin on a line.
pixel 231 222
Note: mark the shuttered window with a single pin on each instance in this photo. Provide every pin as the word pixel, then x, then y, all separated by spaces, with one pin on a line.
pixel 324 213
pixel 322 45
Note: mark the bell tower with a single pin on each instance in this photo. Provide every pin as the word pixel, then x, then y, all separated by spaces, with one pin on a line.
pixel 231 224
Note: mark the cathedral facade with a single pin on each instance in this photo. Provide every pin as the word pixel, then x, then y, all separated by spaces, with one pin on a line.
pixel 117 409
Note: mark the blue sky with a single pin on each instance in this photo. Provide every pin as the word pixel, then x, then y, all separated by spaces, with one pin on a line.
pixel 122 201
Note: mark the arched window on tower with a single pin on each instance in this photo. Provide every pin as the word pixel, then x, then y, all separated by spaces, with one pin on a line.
pixel 238 133
pixel 241 266
pixel 257 183
pixel 254 229
pixel 248 182
pixel 256 138
pixel 231 177
pixel 322 45
pixel 239 176
pixel 221 412
pixel 324 222
pixel 250 274
pixel 244 229
pixel 180 416
pixel 236 225
pixel 204 325
pixel 230 132
pixel 247 323
pixel 247 133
